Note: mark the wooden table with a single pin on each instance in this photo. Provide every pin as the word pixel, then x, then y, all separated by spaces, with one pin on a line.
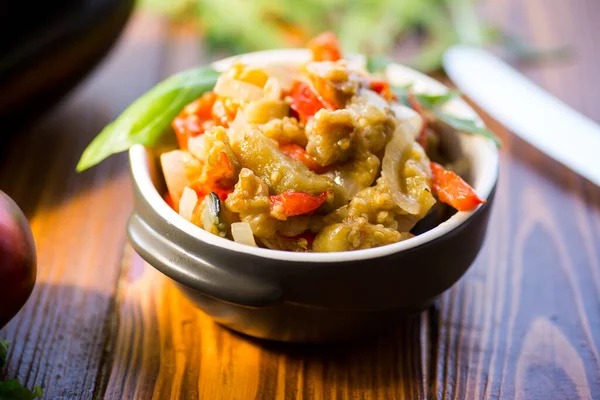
pixel 523 323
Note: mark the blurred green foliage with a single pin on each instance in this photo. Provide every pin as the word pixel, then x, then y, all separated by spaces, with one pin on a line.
pixel 372 27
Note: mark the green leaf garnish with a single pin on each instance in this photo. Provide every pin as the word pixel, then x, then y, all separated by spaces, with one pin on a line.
pixel 377 63
pixel 436 100
pixel 12 390
pixel 467 126
pixel 3 352
pixel 434 103
pixel 148 118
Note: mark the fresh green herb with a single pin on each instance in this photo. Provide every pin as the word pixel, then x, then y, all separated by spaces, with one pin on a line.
pixel 3 352
pixel 377 63
pixel 148 118
pixel 12 390
pixel 435 102
pixel 466 125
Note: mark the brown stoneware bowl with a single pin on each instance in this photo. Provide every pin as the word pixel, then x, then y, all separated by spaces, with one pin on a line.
pixel 313 297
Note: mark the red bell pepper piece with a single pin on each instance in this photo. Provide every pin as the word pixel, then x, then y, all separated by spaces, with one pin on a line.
pixel 292 203
pixel 453 190
pixel 325 47
pixel 194 119
pixel 223 172
pixel 220 179
pixel 299 154
pixel 305 101
pixel 384 89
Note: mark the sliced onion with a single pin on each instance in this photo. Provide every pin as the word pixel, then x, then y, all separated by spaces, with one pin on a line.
pixel 242 233
pixel 175 166
pixel 238 128
pixel 188 201
pixel 228 87
pixel 210 213
pixel 351 187
pixel 374 99
pixel 409 115
pixel 272 89
pixel 284 74
pixel 197 146
pixel 320 68
pixel 392 169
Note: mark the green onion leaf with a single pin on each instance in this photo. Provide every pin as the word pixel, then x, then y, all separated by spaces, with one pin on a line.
pixel 148 118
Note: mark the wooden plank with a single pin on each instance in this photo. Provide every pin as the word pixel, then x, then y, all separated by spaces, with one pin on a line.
pixel 524 322
pixel 168 349
pixel 59 339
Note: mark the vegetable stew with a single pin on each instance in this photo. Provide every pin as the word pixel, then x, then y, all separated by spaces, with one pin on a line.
pixel 321 157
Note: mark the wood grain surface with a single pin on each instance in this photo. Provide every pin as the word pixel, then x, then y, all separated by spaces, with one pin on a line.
pixel 524 323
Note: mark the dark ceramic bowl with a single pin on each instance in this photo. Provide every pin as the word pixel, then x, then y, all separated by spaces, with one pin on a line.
pixel 312 297
pixel 43 55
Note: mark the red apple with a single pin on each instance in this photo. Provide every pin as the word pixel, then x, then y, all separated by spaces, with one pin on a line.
pixel 17 259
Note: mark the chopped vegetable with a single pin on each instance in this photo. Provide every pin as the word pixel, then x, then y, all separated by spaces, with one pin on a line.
pixel 213 204
pixel 195 118
pixel 242 233
pixel 354 235
pixel 453 190
pixel 281 173
pixel 399 154
pixel 325 47
pixel 308 236
pixel 305 101
pixel 383 88
pixel 223 173
pixel 232 88
pixel 218 178
pixel 180 169
pixel 293 203
pixel 211 215
pixel 299 154
pixel 188 201
pixel 414 103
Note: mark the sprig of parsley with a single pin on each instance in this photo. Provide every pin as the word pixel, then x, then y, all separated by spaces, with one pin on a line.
pixel 12 389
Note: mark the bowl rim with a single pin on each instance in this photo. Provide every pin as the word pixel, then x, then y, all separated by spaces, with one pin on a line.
pixel 482 153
